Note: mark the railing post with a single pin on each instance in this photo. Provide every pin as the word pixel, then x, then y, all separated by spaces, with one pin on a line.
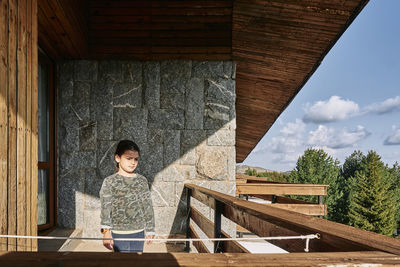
pixel 217 225
pixel 188 195
pixel 321 202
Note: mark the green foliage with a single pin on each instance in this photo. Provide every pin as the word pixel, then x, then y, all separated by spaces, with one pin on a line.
pixel 274 176
pixel 250 172
pixel 371 200
pixel 394 174
pixel 316 167
pixel 352 164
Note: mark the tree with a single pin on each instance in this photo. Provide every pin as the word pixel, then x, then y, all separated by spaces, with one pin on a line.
pixel 352 164
pixel 394 174
pixel 371 202
pixel 250 172
pixel 316 167
pixel 274 176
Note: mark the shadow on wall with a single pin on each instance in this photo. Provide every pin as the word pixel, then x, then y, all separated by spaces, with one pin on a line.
pixel 180 113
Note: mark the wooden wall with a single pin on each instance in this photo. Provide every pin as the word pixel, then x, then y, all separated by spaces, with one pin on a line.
pixel 18 123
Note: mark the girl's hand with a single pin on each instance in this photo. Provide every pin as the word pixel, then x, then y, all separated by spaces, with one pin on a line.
pixel 108 243
pixel 149 241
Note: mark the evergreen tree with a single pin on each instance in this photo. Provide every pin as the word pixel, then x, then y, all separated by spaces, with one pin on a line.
pixel 316 167
pixel 371 202
pixel 394 174
pixel 352 164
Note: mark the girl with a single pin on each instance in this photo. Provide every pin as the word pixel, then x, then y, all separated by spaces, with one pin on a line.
pixel 126 207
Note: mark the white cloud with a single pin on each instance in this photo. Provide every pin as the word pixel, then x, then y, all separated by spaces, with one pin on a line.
pixel 387 106
pixel 334 109
pixel 331 138
pixel 288 141
pixel 393 139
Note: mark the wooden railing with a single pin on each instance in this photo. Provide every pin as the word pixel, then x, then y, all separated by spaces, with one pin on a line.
pixel 266 220
pixel 272 191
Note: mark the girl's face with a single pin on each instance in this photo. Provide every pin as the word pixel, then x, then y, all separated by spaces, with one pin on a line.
pixel 128 161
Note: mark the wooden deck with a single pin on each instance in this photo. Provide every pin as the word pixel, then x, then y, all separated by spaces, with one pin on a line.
pixel 87 259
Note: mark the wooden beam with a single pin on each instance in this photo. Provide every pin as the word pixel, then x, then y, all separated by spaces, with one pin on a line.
pixel 281 189
pixel 102 259
pixel 283 200
pixel 207 226
pixel 200 246
pixel 307 209
pixel 335 235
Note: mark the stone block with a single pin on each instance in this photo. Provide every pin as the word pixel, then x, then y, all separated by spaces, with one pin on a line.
pixel 221 137
pixel 227 69
pixel 132 72
pixel 91 224
pixel 104 130
pixel 166 119
pixel 189 157
pixel 177 172
pixel 86 70
pixel 68 136
pixel 225 187
pixel 151 84
pixel 207 69
pixel 65 91
pixel 162 194
pixel 110 69
pixel 106 164
pixel 194 104
pixel 190 139
pixel 93 183
pixel 216 116
pixel 87 136
pixel 81 100
pixel 212 162
pixel 101 104
pixel 127 95
pixel 181 193
pixel 69 184
pixel 220 91
pixel 130 123
pixel 66 69
pixel 171 146
pixel 170 220
pixel 76 160
pixel 174 75
pixel 232 164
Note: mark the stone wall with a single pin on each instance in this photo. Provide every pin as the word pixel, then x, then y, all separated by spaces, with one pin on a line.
pixel 180 113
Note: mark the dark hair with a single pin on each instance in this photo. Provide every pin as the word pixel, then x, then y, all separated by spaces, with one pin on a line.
pixel 125 145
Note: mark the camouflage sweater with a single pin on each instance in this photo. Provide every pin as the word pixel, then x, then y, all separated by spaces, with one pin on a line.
pixel 126 203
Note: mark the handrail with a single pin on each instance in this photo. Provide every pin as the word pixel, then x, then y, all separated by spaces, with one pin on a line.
pixel 266 220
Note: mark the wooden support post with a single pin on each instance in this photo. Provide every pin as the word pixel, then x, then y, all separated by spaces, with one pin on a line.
pixel 188 231
pixel 217 225
pixel 321 201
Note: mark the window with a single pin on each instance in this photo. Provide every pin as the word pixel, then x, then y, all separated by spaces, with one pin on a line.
pixel 46 144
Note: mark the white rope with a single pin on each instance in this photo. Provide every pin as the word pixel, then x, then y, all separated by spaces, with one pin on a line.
pixel 307 237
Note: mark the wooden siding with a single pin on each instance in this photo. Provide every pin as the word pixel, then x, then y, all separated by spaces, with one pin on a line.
pixel 18 123
pixel 278 45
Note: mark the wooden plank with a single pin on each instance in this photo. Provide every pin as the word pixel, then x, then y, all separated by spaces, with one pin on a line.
pixel 34 153
pixel 21 123
pixel 207 226
pixel 3 120
pixel 307 209
pixel 338 236
pixel 203 198
pixel 12 123
pixel 200 246
pixel 281 189
pixel 101 259
pixel 283 200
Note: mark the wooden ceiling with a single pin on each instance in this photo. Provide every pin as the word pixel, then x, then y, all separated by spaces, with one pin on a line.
pixel 277 44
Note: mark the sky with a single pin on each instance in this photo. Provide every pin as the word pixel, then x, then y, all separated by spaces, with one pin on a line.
pixel 351 102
